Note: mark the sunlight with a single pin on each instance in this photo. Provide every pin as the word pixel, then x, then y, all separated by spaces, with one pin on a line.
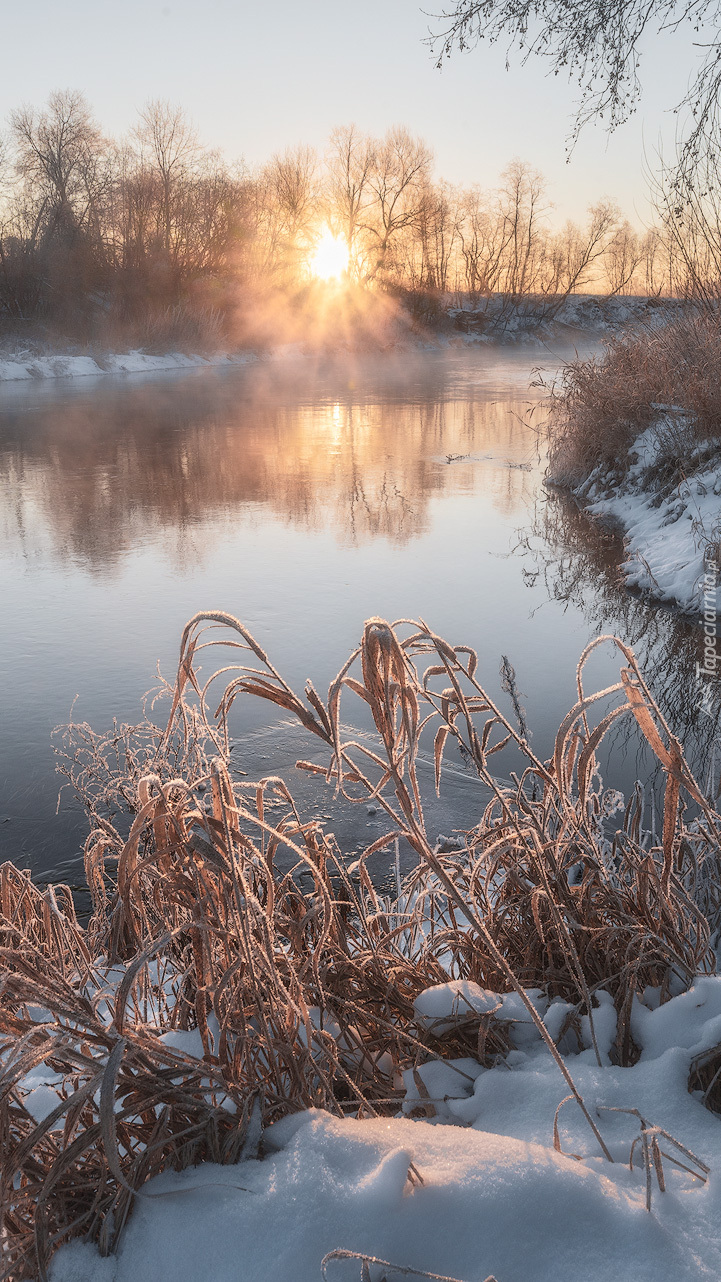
pixel 330 258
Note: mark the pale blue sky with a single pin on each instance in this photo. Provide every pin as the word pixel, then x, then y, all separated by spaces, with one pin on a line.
pixel 257 77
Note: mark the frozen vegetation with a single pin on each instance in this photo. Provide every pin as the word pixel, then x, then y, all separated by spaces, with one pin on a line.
pixel 507 1068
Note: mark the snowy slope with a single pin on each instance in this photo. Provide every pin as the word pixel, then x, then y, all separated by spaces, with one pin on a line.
pixel 496 1197
pixel 673 532
pixel 536 319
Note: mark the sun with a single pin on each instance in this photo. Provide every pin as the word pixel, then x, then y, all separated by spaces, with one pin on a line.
pixel 330 257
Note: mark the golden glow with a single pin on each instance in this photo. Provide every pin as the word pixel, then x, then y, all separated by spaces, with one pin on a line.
pixel 330 257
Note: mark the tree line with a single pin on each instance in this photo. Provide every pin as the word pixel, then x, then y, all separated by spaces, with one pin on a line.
pixel 90 225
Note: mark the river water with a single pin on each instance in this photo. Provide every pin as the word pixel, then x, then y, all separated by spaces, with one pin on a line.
pixel 302 497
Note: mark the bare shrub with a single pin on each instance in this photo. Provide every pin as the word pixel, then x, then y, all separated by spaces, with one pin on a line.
pixel 600 405
pixel 182 328
pixel 306 998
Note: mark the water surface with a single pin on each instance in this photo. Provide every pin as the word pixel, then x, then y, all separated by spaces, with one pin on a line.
pixel 303 498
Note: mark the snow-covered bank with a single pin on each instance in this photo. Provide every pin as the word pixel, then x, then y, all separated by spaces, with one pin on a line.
pixel 499 318
pixel 666 495
pixel 20 366
pixel 494 320
pixel 494 1196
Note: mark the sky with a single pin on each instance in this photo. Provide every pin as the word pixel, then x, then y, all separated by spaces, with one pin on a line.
pixel 256 78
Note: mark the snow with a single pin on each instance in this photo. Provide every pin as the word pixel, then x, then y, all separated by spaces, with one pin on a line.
pixel 440 1083
pixel 443 1005
pixel 43 1098
pixel 496 1197
pixel 535 320
pixel 691 1020
pixel 488 1204
pixel 668 530
pixel 25 365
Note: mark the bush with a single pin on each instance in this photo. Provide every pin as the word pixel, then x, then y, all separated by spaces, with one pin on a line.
pixel 181 328
pixel 600 405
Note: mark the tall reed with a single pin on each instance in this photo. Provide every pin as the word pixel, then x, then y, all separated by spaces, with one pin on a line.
pixel 298 998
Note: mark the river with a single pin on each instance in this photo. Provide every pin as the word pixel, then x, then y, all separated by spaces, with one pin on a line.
pixel 303 497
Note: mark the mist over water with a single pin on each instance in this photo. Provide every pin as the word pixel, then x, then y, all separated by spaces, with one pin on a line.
pixel 302 497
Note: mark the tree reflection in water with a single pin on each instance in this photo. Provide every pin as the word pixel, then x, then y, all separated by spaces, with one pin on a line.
pixel 283 490
pixel 97 473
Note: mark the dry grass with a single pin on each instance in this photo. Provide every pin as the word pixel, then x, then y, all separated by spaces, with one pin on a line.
pixel 396 1270
pixel 600 405
pixel 189 327
pixel 306 998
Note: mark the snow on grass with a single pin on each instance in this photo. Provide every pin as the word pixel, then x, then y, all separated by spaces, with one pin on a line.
pixel 496 1197
pixel 440 1006
pixel 672 529
pixel 488 1204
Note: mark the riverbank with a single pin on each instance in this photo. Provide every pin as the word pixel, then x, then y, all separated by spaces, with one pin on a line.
pixel 665 495
pixel 634 436
pixel 493 321
pixel 538 319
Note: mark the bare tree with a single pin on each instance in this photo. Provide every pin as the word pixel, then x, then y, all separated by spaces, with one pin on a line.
pixel 625 253
pixel 523 211
pixel 4 169
pixel 482 243
pixel 399 176
pixel 133 220
pixel 655 262
pixel 439 222
pixel 168 149
pixel 59 153
pixel 288 209
pixel 579 253
pixel 597 45
pixel 213 213
pixel 176 204
pixel 350 162
pixel 691 221
pixel 54 250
